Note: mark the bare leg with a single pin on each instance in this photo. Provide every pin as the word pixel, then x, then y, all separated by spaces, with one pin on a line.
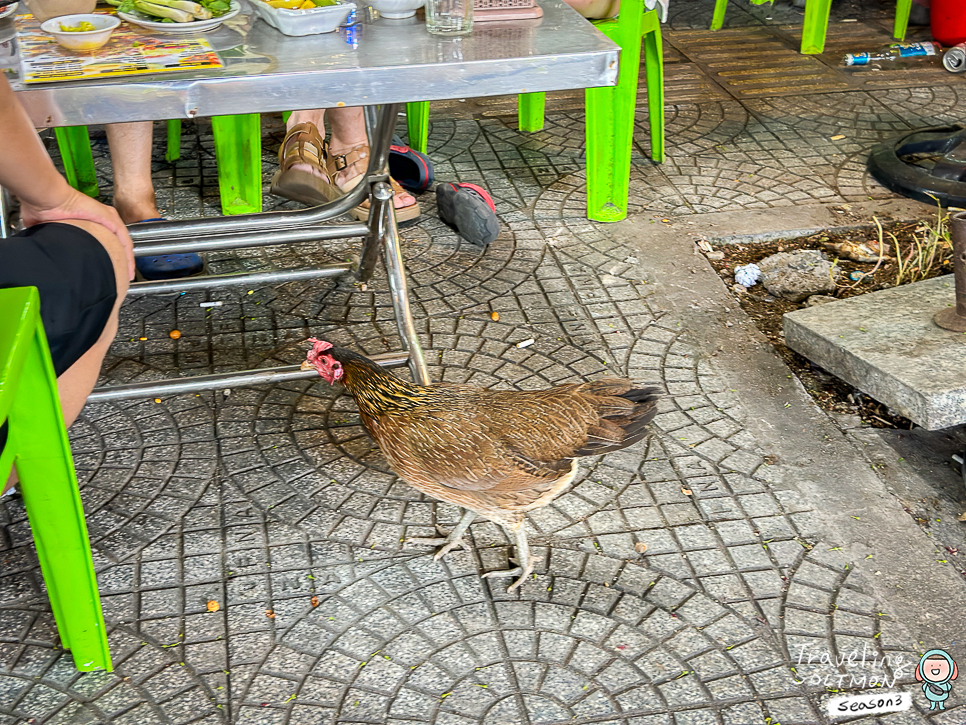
pixel 453 541
pixel 131 157
pixel 77 382
pixel 525 561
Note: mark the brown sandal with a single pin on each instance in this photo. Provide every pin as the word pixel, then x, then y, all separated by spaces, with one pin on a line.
pixel 303 145
pixel 336 163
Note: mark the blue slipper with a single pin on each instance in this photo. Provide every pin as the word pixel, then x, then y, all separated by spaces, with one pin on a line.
pixel 412 169
pixel 168 266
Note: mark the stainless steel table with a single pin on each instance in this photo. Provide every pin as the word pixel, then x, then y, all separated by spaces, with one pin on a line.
pixel 385 64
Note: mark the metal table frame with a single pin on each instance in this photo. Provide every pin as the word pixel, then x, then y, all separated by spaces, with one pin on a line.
pixel 570 55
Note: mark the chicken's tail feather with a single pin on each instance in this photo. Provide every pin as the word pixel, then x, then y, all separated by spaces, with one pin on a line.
pixel 620 425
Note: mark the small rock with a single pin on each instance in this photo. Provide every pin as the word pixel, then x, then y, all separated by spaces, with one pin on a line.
pixel 819 300
pixel 716 255
pixel 739 289
pixel 797 275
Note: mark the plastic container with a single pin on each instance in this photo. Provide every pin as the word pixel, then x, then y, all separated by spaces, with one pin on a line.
pixel 87 40
pixel 303 22
pixel 947 19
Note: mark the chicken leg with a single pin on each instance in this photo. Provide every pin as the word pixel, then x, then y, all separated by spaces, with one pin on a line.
pixel 455 539
pixel 524 559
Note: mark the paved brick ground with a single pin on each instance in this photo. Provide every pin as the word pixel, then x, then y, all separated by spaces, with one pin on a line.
pixel 261 499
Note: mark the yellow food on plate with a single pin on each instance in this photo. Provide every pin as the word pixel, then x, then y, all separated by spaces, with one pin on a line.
pixel 300 4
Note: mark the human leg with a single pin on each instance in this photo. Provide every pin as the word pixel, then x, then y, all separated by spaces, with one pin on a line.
pixel 348 140
pixel 130 145
pixel 81 271
pixel 134 197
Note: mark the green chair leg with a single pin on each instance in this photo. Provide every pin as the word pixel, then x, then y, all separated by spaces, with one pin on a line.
pixel 173 150
pixel 530 107
pixel 417 125
pixel 815 26
pixel 75 152
pixel 903 8
pixel 610 121
pixel 38 447
pixel 654 72
pixel 238 150
pixel 717 20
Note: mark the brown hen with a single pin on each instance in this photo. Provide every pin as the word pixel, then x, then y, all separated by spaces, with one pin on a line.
pixel 496 453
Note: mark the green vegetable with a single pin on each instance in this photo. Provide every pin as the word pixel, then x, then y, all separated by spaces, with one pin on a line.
pixel 162 11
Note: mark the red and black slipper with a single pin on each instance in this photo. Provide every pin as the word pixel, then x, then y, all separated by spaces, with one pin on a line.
pixel 468 208
pixel 412 169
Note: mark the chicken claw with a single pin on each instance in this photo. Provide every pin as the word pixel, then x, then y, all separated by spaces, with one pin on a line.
pixel 523 571
pixel 455 539
pixel 523 558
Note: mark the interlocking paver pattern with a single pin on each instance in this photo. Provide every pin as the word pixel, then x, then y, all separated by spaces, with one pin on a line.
pixel 274 503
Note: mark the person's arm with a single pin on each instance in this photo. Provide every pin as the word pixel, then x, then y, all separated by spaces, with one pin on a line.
pixel 45 196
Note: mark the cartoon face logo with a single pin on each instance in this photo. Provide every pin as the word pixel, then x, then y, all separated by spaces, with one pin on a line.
pixel 936 671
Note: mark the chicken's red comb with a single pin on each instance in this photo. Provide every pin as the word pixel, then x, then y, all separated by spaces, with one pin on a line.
pixel 318 347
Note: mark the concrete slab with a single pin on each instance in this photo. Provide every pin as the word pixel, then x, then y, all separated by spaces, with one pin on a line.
pixel 886 345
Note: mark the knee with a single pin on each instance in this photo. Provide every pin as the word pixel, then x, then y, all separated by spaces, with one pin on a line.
pixel 114 248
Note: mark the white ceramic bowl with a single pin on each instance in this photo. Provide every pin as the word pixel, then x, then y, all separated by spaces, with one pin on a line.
pixel 87 40
pixel 397 9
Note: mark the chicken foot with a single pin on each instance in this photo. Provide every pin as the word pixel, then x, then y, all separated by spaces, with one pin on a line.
pixel 523 558
pixel 454 540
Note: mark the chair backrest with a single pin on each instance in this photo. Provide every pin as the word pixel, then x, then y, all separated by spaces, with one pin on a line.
pixel 19 313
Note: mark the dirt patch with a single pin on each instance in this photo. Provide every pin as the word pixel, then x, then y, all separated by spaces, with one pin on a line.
pixel 831 393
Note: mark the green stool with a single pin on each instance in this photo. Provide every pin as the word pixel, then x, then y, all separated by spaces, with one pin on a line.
pixel 816 21
pixel 609 111
pixel 238 151
pixel 37 446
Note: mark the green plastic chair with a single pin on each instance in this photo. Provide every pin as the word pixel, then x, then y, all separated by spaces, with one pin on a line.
pixel 37 446
pixel 816 21
pixel 238 151
pixel 609 112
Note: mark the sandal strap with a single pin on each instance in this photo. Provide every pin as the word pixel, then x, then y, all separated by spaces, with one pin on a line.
pixel 334 163
pixel 302 145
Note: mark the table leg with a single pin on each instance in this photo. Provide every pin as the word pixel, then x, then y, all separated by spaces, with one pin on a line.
pixel 4 213
pixel 385 221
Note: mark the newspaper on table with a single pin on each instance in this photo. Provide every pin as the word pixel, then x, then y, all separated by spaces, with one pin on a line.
pixel 130 51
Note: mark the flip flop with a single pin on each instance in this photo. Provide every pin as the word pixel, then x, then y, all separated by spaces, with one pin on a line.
pixel 468 208
pixel 168 266
pixel 412 169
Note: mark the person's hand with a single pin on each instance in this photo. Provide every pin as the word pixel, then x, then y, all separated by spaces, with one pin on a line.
pixel 73 204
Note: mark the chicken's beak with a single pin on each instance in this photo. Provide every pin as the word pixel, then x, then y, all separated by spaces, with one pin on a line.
pixel 307 366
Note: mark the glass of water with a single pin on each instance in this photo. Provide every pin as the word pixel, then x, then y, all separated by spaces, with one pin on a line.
pixel 449 17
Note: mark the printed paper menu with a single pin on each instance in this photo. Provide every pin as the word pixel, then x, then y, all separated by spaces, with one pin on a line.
pixel 130 51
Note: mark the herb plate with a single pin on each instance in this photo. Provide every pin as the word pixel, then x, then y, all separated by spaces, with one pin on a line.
pixel 195 26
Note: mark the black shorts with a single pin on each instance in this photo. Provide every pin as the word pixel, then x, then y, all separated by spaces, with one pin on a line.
pixel 75 277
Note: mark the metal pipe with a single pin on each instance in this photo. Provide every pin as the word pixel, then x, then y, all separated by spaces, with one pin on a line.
pixel 272 220
pixel 385 218
pixel 954 318
pixel 380 128
pixel 239 378
pixel 384 118
pixel 250 239
pixel 213 281
pixel 4 214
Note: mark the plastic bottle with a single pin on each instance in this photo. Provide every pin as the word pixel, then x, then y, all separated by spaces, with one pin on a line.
pixel 894 52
